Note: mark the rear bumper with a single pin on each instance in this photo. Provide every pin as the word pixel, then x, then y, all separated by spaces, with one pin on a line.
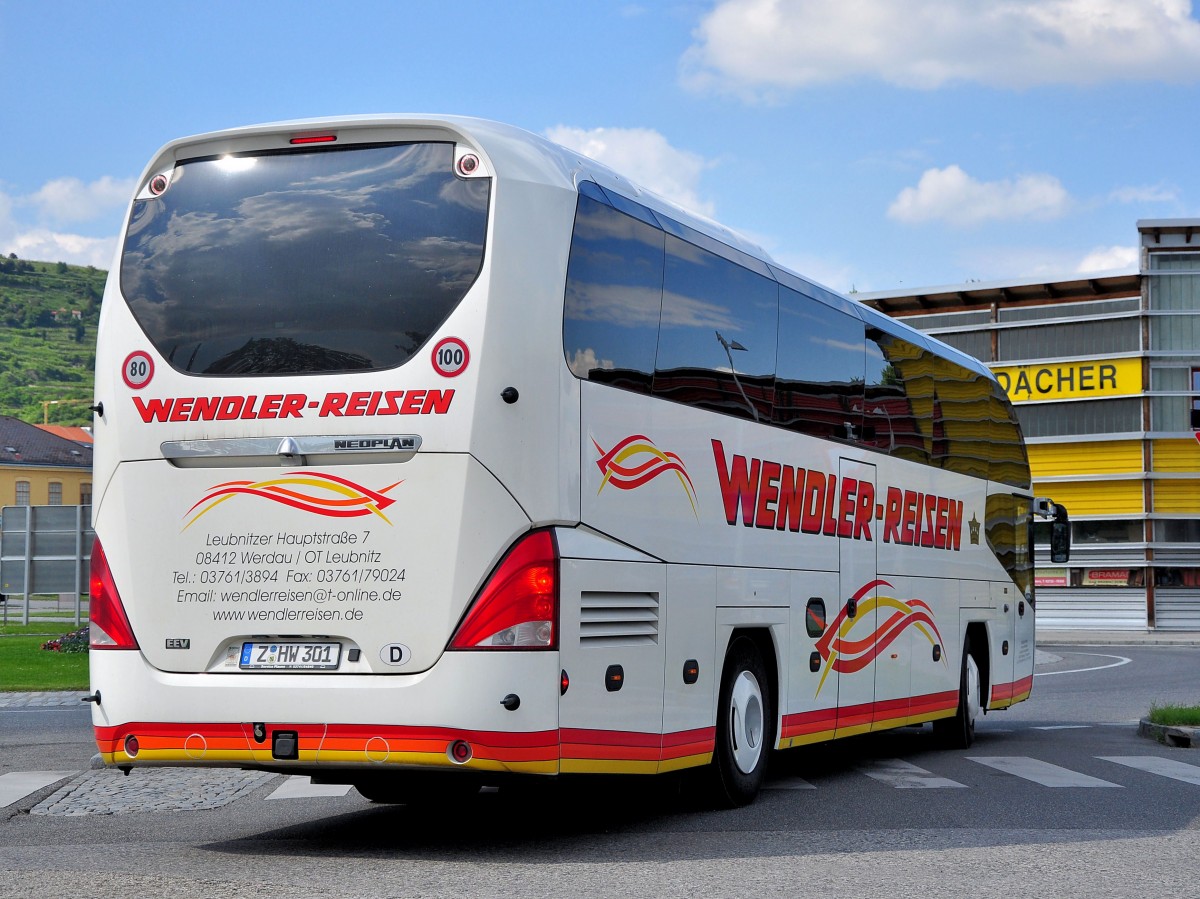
pixel 257 720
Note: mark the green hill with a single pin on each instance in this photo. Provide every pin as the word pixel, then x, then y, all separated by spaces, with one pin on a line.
pixel 48 317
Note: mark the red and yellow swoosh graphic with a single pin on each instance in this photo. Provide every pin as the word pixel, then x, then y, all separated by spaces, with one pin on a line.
pixel 309 491
pixel 846 652
pixel 636 461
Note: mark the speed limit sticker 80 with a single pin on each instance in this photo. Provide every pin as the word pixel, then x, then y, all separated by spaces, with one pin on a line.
pixel 138 369
pixel 450 357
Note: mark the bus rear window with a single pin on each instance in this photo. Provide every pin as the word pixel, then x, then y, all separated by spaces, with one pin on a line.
pixel 304 262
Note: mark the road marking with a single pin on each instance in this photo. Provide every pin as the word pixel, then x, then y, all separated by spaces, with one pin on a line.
pixel 298 787
pixel 1040 772
pixel 1063 727
pixel 1154 764
pixel 905 776
pixel 16 785
pixel 1121 660
pixel 788 783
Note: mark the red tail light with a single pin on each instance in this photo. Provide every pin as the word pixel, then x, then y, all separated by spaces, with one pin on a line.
pixel 109 627
pixel 518 606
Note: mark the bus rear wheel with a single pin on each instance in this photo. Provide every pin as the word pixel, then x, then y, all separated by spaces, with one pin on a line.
pixel 745 727
pixel 959 732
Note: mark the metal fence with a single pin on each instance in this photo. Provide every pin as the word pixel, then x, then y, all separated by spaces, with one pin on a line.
pixel 45 555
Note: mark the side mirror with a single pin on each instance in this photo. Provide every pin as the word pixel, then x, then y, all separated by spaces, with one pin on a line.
pixel 1060 528
pixel 1060 542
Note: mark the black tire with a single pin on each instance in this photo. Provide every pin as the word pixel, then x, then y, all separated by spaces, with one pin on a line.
pixel 416 788
pixel 959 732
pixel 745 727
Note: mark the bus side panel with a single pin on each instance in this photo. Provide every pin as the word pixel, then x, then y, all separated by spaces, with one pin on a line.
pixel 689 715
pixel 1013 672
pixel 611 650
pixel 857 641
pixel 528 444
pixel 1023 650
pixel 811 713
pixel 934 641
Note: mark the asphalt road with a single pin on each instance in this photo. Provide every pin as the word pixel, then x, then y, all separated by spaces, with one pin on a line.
pixel 886 814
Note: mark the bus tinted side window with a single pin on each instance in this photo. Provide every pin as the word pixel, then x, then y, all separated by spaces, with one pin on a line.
pixel 614 291
pixel 1007 527
pixel 961 420
pixel 1009 462
pixel 819 383
pixel 898 400
pixel 650 312
pixel 974 428
pixel 717 338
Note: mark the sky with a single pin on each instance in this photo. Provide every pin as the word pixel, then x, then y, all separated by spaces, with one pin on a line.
pixel 867 144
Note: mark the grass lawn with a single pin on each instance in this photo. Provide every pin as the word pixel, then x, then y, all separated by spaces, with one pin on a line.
pixel 1175 715
pixel 24 665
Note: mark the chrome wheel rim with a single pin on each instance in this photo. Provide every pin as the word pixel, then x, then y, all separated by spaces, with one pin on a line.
pixel 746 725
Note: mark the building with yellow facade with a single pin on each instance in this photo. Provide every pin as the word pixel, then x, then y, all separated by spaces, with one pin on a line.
pixel 40 468
pixel 1105 374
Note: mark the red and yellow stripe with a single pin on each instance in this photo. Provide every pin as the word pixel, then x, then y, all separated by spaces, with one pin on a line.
pixel 566 750
pixel 563 750
pixel 1004 695
pixel 820 725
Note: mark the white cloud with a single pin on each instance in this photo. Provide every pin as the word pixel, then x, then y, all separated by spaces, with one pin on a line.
pixel 51 246
pixel 1107 259
pixel 60 202
pixel 1150 194
pixel 65 200
pixel 951 195
pixel 645 156
pixel 757 47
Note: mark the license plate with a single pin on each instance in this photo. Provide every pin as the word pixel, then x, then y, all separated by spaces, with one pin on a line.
pixel 296 656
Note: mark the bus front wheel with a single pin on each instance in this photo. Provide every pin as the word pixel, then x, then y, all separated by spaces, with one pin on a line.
pixel 745 726
pixel 959 732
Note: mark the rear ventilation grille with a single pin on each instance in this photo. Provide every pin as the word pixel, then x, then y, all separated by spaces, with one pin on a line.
pixel 618 619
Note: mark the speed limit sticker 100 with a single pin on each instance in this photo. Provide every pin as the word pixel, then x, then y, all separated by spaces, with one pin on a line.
pixel 450 357
pixel 138 369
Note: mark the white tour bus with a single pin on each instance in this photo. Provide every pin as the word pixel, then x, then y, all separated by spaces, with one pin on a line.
pixel 430 451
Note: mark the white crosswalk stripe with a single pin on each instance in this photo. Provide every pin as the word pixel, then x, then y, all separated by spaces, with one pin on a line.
pixel 297 787
pixel 1154 764
pixel 16 785
pixel 1044 773
pixel 906 776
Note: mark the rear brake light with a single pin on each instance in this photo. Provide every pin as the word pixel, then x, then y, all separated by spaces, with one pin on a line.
pixel 518 606
pixel 109 627
pixel 313 139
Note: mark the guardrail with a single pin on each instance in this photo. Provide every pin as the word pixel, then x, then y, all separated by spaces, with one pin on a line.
pixel 44 550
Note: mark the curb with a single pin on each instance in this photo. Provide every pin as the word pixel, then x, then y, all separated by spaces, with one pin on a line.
pixel 1179 737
